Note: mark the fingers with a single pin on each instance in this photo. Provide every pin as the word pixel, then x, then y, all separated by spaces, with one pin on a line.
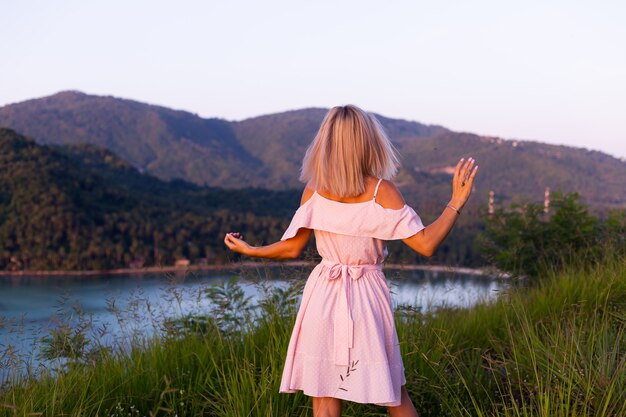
pixel 457 169
pixel 233 239
pixel 463 170
pixel 235 235
pixel 467 170
pixel 470 180
pixel 228 240
pixel 235 242
pixel 464 175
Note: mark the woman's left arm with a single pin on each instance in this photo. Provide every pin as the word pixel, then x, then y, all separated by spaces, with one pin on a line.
pixel 428 239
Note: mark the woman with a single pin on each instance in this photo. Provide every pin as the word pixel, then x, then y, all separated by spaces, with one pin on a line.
pixel 344 344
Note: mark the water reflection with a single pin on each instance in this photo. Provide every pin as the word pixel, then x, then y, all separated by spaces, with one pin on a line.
pixel 431 289
pixel 138 303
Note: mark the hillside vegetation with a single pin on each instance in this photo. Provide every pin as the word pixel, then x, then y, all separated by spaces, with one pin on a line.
pixel 79 207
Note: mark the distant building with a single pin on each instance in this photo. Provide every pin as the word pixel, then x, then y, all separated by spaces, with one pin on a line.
pixel 15 264
pixel 442 170
pixel 182 263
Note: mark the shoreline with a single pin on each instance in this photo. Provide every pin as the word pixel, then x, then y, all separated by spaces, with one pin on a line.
pixel 237 265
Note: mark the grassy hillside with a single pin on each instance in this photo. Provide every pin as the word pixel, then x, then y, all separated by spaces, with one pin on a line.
pixel 556 350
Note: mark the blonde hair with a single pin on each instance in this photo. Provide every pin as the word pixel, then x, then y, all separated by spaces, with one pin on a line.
pixel 350 145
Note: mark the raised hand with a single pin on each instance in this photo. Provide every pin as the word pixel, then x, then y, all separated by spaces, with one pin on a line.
pixel 463 181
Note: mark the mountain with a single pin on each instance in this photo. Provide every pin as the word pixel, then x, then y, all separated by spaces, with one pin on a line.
pixel 164 142
pixel 266 151
pixel 280 140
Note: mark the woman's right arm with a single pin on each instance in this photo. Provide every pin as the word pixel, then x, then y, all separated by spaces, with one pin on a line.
pixel 427 240
pixel 284 249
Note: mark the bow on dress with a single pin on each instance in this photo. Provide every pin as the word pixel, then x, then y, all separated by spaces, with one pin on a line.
pixel 344 325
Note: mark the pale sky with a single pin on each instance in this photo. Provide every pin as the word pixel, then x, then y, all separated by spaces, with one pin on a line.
pixel 552 71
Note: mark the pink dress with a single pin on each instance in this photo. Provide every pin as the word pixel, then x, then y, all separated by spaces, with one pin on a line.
pixel 344 342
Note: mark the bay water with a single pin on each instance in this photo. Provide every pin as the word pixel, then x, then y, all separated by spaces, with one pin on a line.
pixel 136 304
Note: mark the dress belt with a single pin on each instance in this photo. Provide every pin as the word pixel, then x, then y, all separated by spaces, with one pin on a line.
pixel 344 326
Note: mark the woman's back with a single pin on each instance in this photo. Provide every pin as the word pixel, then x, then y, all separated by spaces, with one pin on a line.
pixel 354 232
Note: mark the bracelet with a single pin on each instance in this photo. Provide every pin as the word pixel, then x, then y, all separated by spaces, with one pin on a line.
pixel 454 208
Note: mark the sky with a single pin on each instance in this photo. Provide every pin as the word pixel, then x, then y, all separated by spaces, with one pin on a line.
pixel 551 71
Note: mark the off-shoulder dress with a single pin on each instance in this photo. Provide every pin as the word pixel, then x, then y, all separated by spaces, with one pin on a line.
pixel 344 342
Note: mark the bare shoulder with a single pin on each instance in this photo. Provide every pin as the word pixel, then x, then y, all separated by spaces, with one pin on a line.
pixel 306 194
pixel 389 196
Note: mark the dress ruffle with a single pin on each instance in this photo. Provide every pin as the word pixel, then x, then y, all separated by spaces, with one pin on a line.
pixel 366 219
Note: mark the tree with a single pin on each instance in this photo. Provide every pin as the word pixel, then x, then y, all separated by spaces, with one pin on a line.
pixel 525 241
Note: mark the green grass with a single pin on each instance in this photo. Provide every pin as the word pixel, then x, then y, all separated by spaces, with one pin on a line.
pixel 557 349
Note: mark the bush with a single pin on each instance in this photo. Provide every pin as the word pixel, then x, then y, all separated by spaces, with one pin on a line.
pixel 525 241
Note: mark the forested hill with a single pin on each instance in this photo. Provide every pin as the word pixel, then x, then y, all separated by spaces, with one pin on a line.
pixel 80 207
pixel 267 151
